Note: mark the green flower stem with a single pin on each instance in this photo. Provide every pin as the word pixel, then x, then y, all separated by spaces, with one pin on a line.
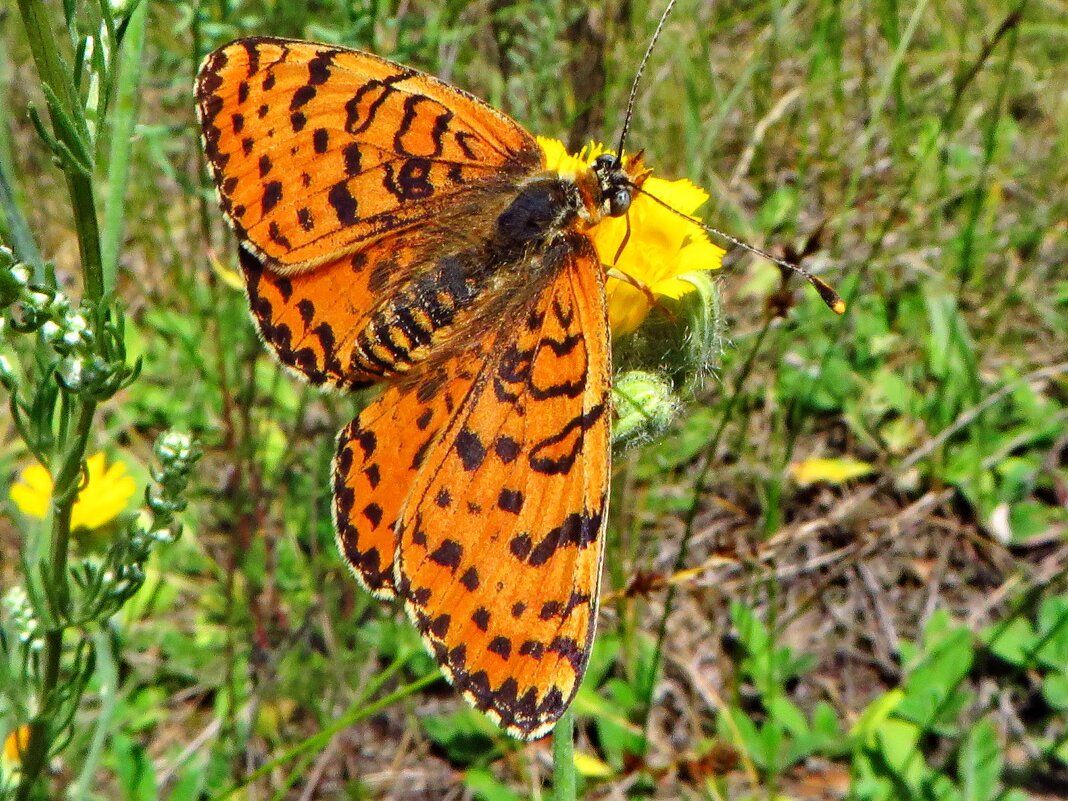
pixel 565 786
pixel 37 20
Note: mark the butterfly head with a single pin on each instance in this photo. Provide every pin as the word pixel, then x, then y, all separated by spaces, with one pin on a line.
pixel 618 179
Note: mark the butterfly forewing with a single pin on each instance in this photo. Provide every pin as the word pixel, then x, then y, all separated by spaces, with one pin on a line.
pixel 316 149
pixel 501 537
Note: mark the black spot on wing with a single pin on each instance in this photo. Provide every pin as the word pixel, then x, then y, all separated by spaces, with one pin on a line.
pixel 448 554
pixel 272 193
pixel 343 203
pixel 470 579
pixel 510 500
pixel 554 465
pixel 577 530
pixel 470 449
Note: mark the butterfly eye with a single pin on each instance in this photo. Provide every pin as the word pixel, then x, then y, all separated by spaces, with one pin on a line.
pixel 619 202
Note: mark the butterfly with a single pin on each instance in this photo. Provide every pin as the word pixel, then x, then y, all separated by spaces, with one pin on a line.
pixel 396 230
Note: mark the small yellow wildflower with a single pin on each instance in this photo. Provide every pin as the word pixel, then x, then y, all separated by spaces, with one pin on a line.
pixel 15 744
pixel 104 498
pixel 662 245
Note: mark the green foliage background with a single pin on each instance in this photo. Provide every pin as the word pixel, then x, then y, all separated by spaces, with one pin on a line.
pixel 900 635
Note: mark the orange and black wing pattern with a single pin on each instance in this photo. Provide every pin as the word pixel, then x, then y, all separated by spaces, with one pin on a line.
pixel 345 176
pixel 317 149
pixel 488 521
pixel 395 229
pixel 380 455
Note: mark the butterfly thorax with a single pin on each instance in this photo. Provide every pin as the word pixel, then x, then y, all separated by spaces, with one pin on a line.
pixel 463 284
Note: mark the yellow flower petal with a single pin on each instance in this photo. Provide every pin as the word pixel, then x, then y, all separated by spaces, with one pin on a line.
pixel 101 500
pixel 591 767
pixel 16 743
pixel 37 478
pixel 32 493
pixel 627 307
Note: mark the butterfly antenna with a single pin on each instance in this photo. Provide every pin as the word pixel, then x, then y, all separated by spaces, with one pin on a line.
pixel 826 292
pixel 638 76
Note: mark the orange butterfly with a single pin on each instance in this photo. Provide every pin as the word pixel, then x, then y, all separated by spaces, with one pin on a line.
pixel 396 229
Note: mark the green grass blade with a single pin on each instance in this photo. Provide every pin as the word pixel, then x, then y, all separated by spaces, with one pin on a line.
pixel 121 143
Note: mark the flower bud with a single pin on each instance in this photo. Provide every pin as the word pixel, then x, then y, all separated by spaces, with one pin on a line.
pixel 73 373
pixel 645 406
pixel 21 273
pixel 51 332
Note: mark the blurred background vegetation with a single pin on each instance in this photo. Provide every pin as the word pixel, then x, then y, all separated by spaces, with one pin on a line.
pixel 840 573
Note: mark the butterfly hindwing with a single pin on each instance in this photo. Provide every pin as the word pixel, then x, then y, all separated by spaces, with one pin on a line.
pixel 316 149
pixel 379 455
pixel 500 540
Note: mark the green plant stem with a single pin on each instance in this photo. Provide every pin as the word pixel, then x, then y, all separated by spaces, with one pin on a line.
pixel 66 492
pixel 37 20
pixel 564 783
pixel 33 761
pixel 73 134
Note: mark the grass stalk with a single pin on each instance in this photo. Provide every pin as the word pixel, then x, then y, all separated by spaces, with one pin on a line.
pixel 565 785
pixel 108 676
pixel 358 711
pixel 124 118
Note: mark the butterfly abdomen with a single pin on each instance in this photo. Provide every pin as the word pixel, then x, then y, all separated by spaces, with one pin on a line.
pixel 409 323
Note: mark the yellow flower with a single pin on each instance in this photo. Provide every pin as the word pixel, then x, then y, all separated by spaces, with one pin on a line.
pixel 15 744
pixel 662 245
pixel 103 499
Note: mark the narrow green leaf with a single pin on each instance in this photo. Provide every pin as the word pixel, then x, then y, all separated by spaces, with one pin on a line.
pixel 124 118
pixel 980 762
